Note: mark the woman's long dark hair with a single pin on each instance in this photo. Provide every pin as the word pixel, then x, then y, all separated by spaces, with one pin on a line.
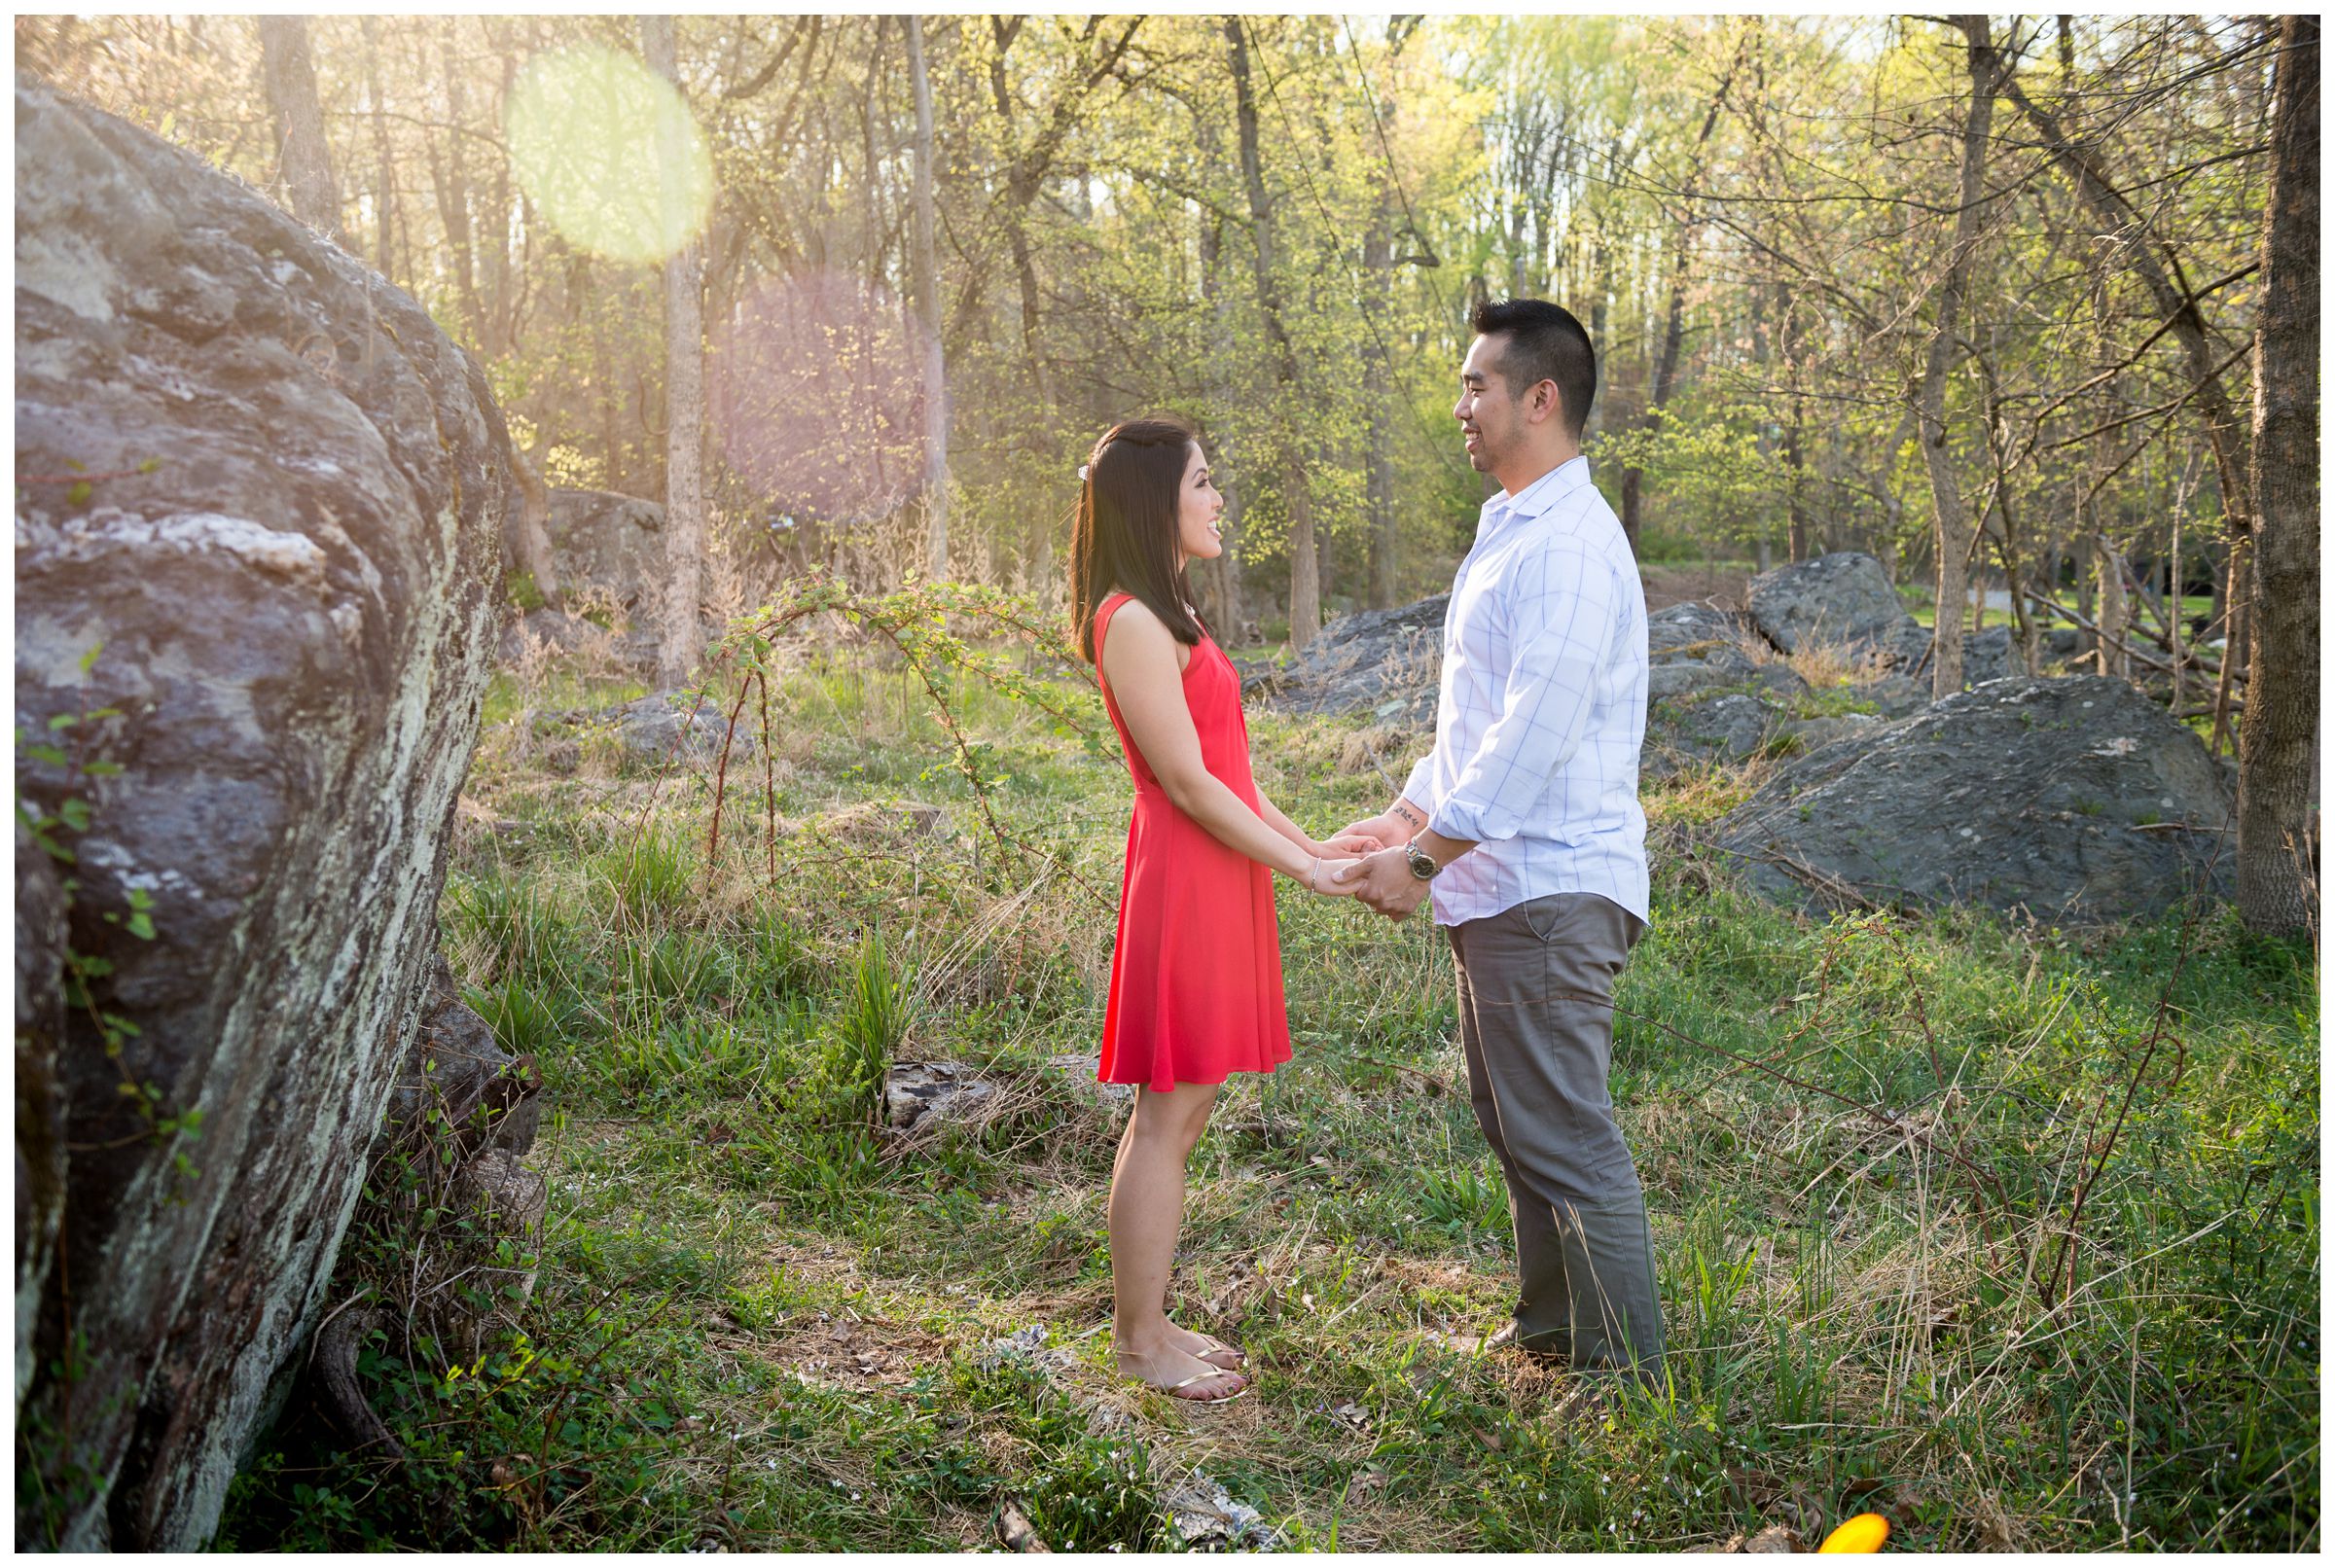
pixel 1122 532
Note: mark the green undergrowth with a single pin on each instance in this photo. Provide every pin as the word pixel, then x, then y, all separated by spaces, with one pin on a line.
pixel 2009 1233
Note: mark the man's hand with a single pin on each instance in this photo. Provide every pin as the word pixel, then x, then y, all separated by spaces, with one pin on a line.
pixel 1388 885
pixel 1382 828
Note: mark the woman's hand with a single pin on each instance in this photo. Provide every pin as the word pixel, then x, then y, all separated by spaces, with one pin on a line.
pixel 1351 843
pixel 1323 878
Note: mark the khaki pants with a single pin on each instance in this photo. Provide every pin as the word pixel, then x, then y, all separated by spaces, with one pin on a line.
pixel 1536 1023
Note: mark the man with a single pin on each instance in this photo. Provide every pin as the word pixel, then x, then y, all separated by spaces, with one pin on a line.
pixel 1524 820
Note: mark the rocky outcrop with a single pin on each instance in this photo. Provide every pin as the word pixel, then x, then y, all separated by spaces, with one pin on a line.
pixel 685 727
pixel 1692 647
pixel 260 504
pixel 1380 662
pixel 556 634
pixel 1844 597
pixel 1986 656
pixel 2072 798
pixel 614 544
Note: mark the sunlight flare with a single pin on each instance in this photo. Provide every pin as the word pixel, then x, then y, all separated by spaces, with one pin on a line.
pixel 610 153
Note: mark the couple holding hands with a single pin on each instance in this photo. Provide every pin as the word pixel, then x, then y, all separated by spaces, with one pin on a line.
pixel 1523 822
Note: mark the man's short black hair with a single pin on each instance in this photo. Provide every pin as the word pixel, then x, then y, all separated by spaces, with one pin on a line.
pixel 1545 343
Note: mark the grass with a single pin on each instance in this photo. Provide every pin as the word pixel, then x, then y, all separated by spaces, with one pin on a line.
pixel 761 1322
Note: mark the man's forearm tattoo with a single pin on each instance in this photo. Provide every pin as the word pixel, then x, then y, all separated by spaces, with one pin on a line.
pixel 1410 816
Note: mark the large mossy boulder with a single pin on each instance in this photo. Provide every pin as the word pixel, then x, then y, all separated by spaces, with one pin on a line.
pixel 2073 799
pixel 258 502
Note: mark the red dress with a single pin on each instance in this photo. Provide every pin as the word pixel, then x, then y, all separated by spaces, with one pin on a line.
pixel 1196 974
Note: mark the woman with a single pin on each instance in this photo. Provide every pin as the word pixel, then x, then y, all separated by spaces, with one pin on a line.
pixel 1196 974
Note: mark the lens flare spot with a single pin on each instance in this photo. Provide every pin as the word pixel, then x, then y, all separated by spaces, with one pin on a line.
pixel 609 154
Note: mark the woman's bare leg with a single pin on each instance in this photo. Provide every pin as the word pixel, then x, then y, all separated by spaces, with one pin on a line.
pixel 1146 1212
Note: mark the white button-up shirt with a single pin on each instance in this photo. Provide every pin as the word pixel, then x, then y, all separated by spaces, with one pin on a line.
pixel 1543 708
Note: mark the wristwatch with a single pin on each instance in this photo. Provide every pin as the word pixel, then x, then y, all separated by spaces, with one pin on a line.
pixel 1423 863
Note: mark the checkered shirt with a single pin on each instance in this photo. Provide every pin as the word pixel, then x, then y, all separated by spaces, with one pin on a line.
pixel 1542 708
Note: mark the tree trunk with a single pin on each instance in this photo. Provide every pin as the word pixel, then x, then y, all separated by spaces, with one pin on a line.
pixel 1673 334
pixel 504 284
pixel 385 179
pixel 1954 527
pixel 526 545
pixel 928 316
pixel 2279 735
pixel 453 181
pixel 1305 564
pixel 1377 256
pixel 2115 616
pixel 1224 609
pixel 307 161
pixel 683 638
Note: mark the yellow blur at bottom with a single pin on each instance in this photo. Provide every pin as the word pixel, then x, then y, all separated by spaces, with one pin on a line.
pixel 1864 1533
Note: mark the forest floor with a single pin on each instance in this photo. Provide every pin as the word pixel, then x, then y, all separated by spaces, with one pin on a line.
pixel 2007 1232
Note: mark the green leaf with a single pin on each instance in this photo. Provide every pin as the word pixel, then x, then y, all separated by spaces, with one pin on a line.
pixel 91 657
pixel 79 494
pixel 150 465
pixel 63 720
pixel 75 814
pixel 54 756
pixel 141 926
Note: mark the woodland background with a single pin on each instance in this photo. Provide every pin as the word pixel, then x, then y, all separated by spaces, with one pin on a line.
pixel 1276 225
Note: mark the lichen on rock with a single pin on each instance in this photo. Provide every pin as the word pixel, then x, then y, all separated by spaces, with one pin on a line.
pixel 267 491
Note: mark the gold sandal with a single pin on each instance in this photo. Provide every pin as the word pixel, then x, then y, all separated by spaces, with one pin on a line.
pixel 1217 1347
pixel 1175 1390
pixel 1207 1399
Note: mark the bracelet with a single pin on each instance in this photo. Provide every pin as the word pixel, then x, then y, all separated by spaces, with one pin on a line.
pixel 1312 878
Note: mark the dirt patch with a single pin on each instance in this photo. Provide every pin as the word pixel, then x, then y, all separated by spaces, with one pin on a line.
pixel 849 1351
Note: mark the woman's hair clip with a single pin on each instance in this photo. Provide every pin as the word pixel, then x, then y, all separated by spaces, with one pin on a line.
pixel 1082 473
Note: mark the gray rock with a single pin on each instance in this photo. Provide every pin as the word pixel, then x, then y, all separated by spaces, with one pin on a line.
pixel 1680 628
pixel 1812 735
pixel 285 546
pixel 1986 656
pixel 1727 728
pixel 1080 1069
pixel 2074 799
pixel 1693 648
pixel 482 1094
pixel 41 938
pixel 1384 662
pixel 681 726
pixel 1991 655
pixel 2064 641
pixel 609 542
pixel 562 633
pixel 1893 697
pixel 924 1094
pixel 1844 597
